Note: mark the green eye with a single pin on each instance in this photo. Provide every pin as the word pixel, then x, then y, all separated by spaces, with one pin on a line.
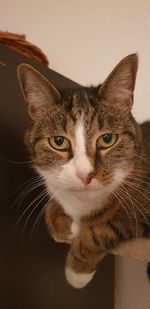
pixel 107 140
pixel 60 143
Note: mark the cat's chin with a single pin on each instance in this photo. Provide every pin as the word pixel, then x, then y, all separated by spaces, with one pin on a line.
pixel 84 193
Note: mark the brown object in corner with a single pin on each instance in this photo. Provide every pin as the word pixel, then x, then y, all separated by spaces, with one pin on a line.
pixel 23 47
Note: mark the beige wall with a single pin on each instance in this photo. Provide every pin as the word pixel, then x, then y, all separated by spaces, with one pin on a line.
pixel 84 40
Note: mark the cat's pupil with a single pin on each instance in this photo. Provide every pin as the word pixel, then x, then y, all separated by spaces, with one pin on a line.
pixel 59 140
pixel 107 138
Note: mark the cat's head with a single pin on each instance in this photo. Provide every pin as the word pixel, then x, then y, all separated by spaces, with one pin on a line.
pixel 82 141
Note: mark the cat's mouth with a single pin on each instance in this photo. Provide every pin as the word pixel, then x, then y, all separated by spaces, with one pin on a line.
pixel 84 189
pixel 84 192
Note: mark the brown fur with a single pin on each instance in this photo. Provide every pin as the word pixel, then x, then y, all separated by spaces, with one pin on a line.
pixel 106 108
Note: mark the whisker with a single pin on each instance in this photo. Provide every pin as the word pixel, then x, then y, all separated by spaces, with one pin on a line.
pixel 142 213
pixel 139 182
pixel 132 210
pixel 24 212
pixel 133 187
pixel 121 200
pixel 42 197
pixel 138 179
pixel 142 175
pixel 16 162
pixel 142 158
pixel 38 220
pixel 34 185
pixel 40 215
pixel 136 156
pixel 24 183
pixel 143 208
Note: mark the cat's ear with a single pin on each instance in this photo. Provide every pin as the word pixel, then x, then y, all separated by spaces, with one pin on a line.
pixel 119 85
pixel 38 92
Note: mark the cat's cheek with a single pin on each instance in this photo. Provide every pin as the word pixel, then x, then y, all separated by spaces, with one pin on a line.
pixel 78 280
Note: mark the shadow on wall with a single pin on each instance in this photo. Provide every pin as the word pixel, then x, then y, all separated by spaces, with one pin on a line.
pixel 32 266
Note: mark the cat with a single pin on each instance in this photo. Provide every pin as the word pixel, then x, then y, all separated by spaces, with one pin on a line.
pixel 95 161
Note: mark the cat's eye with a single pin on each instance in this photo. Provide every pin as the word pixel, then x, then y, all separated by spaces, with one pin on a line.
pixel 106 140
pixel 60 143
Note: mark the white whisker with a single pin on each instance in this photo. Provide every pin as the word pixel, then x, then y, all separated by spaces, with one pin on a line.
pixel 121 200
pixel 42 197
pixel 29 188
pixel 132 185
pixel 24 183
pixel 24 212
pixel 39 217
pixel 16 162
pixel 137 232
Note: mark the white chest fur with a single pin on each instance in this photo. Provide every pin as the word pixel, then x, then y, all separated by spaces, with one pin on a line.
pixel 81 205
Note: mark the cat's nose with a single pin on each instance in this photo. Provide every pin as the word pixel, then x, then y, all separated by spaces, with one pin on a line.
pixel 86 178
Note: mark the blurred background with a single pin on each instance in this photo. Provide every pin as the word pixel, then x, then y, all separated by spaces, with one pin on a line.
pixel 83 41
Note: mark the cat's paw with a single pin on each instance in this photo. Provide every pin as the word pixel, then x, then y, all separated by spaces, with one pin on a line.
pixel 74 231
pixel 61 240
pixel 78 280
pixel 69 236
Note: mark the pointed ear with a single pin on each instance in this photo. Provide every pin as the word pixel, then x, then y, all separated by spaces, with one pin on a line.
pixel 38 92
pixel 119 85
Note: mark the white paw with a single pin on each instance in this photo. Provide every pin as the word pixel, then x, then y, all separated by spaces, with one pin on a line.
pixel 74 230
pixel 78 280
pixel 64 241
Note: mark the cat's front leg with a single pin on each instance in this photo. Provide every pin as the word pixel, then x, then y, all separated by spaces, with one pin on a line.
pixel 86 251
pixel 61 227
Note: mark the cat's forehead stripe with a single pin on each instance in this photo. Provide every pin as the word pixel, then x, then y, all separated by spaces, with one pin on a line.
pixel 80 139
pixel 81 160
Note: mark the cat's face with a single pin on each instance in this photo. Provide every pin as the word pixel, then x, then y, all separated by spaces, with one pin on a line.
pixel 82 141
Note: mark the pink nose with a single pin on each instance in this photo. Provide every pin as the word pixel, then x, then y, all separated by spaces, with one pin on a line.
pixel 86 178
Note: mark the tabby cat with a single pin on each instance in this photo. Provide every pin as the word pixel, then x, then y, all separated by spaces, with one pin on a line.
pixel 95 161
